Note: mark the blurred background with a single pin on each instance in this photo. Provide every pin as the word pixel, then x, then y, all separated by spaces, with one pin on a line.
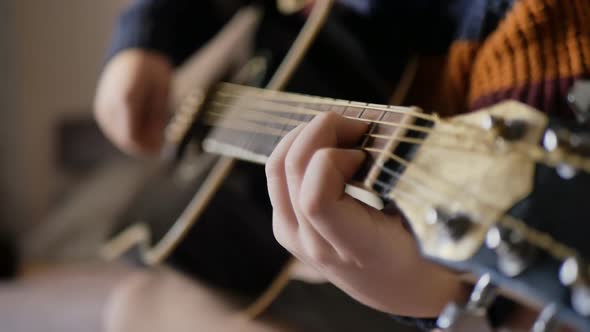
pixel 61 181
pixel 52 52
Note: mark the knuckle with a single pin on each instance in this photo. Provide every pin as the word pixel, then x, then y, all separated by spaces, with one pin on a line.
pixel 128 99
pixel 273 168
pixel 324 157
pixel 318 256
pixel 295 163
pixel 281 235
pixel 327 117
pixel 312 200
pixel 311 204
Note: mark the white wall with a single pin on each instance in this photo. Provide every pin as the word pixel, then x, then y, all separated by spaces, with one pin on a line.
pixel 50 56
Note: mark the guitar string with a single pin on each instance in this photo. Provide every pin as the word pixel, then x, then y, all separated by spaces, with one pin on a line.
pixel 282 108
pixel 387 109
pixel 254 122
pixel 525 149
pixel 283 96
pixel 250 126
pixel 529 150
pixel 546 242
pixel 407 163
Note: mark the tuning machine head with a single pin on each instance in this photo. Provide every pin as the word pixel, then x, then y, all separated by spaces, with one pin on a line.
pixel 574 273
pixel 472 316
pixel 579 100
pixel 564 140
pixel 506 129
pixel 561 138
pixel 546 321
pixel 455 224
pixel 515 253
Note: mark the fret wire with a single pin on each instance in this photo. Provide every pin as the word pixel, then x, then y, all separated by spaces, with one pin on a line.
pixel 396 125
pixel 373 128
pixel 362 112
pixel 340 111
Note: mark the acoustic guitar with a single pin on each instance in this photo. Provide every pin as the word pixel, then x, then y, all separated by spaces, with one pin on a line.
pixel 497 194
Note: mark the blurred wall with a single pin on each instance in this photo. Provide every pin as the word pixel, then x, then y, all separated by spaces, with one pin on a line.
pixel 50 56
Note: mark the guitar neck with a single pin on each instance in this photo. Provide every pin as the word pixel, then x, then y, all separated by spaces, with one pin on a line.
pixel 247 123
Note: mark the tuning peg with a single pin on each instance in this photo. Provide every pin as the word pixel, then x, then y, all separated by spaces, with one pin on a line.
pixel 552 141
pixel 473 315
pixel 575 275
pixel 456 225
pixel 546 321
pixel 574 142
pixel 579 100
pixel 515 254
pixel 508 129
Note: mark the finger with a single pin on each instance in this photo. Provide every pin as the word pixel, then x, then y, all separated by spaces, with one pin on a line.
pixel 337 217
pixel 291 231
pixel 284 219
pixel 326 130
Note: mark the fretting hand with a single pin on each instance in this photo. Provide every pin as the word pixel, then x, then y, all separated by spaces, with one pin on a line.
pixel 366 253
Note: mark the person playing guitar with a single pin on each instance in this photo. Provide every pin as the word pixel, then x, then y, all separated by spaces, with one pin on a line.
pixel 471 54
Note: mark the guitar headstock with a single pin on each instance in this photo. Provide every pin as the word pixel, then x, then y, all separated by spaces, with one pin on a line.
pixel 501 192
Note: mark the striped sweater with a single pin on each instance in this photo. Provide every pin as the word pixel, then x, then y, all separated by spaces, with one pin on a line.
pixel 533 53
pixel 473 53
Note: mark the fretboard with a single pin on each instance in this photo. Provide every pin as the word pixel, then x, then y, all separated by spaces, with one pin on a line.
pixel 248 123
